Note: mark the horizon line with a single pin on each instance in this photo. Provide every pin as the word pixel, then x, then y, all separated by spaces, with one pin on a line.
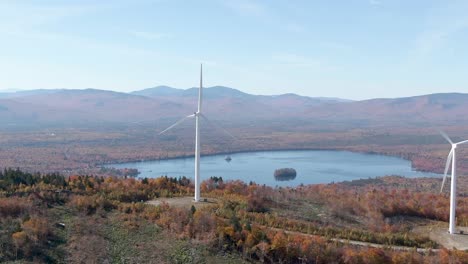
pixel 13 91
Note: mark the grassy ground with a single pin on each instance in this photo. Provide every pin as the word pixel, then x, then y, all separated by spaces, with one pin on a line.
pixel 138 241
pixel 117 238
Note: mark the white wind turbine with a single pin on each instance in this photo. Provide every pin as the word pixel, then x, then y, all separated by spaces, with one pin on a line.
pixel 453 187
pixel 197 116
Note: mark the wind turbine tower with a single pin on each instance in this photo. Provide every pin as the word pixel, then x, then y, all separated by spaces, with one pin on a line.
pixel 453 186
pixel 197 138
pixel 197 116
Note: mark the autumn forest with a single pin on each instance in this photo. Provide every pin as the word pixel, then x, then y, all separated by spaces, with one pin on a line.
pixel 48 217
pixel 58 204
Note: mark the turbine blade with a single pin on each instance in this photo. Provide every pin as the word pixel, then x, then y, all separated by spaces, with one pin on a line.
pixel 176 123
pixel 462 142
pixel 213 124
pixel 447 165
pixel 201 75
pixel 445 136
pixel 200 90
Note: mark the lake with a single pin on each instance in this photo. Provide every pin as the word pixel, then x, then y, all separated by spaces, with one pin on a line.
pixel 312 166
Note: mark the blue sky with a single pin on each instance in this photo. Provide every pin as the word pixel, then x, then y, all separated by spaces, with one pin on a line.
pixel 354 49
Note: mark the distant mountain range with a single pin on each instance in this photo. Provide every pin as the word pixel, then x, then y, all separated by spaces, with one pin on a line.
pixel 220 92
pixel 166 104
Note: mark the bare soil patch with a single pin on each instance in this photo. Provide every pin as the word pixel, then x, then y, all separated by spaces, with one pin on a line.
pixel 439 233
pixel 184 202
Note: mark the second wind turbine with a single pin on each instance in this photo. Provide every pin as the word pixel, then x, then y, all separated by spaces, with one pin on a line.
pixel 197 116
pixel 453 186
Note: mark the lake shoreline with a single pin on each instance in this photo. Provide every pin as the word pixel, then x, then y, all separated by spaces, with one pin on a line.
pixel 367 152
pixel 314 166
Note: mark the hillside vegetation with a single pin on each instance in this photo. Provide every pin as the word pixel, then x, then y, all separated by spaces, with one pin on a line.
pixel 92 107
pixel 54 219
pixel 76 131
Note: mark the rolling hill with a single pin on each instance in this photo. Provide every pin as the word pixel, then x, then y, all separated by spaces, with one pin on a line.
pixel 165 104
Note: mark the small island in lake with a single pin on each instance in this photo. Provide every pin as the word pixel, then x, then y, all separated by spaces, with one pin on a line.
pixel 285 174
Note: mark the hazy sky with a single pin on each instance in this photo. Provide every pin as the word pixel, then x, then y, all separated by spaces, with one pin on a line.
pixel 352 49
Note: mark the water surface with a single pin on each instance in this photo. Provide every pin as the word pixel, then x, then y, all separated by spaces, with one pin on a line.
pixel 312 166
